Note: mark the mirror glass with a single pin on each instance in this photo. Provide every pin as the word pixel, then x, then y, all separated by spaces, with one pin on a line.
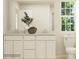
pixel 40 11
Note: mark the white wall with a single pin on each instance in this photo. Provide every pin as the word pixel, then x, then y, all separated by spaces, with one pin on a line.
pixel 5 16
pixel 41 15
pixel 61 53
pixel 12 15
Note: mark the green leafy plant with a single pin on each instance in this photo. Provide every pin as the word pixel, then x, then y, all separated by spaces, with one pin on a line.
pixel 27 20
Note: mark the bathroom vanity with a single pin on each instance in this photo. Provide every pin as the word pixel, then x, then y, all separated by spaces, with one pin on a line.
pixel 27 46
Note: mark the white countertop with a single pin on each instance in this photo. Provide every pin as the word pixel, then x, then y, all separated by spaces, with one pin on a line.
pixel 27 34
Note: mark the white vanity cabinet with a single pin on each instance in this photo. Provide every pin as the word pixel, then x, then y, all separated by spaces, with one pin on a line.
pixel 30 47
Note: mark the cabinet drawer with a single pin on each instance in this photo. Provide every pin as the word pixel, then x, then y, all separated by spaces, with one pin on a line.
pixel 29 45
pixel 46 38
pixel 13 37
pixel 29 54
pixel 29 38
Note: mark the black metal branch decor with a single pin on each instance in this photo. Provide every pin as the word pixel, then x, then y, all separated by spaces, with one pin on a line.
pixel 27 20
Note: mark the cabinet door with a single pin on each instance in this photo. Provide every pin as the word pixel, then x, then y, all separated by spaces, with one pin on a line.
pixel 51 49
pixel 12 47
pixel 46 47
pixel 18 49
pixel 29 54
pixel 40 49
pixel 29 45
pixel 8 49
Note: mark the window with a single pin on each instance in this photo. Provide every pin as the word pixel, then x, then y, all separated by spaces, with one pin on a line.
pixel 68 15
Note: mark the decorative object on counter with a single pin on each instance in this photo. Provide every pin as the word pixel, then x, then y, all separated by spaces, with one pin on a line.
pixel 32 30
pixel 27 20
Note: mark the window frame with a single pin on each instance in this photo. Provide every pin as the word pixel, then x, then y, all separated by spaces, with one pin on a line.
pixel 68 16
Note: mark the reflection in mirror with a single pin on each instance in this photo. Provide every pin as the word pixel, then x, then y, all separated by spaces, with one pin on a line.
pixel 41 13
